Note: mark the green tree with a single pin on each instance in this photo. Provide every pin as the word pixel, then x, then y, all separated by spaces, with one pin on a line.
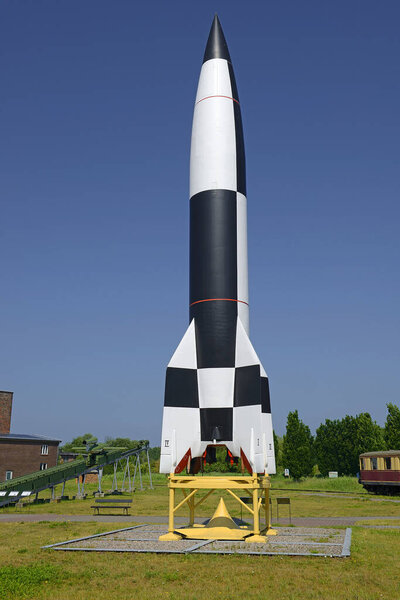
pixel 154 453
pixel 222 464
pixel 326 446
pixel 369 435
pixel 338 444
pixel 297 450
pixel 392 427
pixel 127 444
pixel 120 442
pixel 79 442
pixel 347 453
pixel 278 452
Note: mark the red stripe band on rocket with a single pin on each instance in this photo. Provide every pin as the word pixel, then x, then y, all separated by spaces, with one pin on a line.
pixel 219 299
pixel 217 96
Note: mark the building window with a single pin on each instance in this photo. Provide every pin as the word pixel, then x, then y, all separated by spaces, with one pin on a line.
pixel 45 449
pixel 374 463
pixel 9 475
pixel 388 462
pixel 43 466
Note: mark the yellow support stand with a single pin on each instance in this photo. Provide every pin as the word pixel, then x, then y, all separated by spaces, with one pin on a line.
pixel 220 526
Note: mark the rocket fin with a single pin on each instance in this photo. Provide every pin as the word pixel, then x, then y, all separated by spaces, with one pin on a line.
pixel 180 438
pixel 181 421
pixel 245 353
pixel 184 356
pixel 252 408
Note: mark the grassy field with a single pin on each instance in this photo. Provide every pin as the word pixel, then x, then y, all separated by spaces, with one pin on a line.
pixel 155 502
pixel 340 484
pixel 28 572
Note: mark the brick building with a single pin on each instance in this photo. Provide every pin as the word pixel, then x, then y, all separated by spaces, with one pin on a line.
pixel 21 454
pixel 6 399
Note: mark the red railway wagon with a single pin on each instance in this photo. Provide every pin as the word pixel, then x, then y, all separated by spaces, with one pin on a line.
pixel 380 471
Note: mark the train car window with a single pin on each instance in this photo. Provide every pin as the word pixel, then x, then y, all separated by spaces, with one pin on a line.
pixel 364 463
pixel 374 463
pixel 388 462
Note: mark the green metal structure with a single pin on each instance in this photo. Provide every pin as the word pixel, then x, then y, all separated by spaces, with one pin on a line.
pixel 38 481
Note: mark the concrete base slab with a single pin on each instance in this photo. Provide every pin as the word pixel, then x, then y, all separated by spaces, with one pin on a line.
pixel 290 541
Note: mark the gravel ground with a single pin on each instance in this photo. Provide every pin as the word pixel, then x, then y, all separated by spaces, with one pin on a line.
pixel 272 548
pixel 308 541
pixel 148 531
pixel 137 545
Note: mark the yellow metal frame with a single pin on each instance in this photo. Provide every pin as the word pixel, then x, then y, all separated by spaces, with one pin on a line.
pixel 191 485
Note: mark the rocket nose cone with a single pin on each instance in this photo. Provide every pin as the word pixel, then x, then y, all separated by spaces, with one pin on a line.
pixel 216 44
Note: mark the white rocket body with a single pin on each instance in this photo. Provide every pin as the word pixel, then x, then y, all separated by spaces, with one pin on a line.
pixel 216 387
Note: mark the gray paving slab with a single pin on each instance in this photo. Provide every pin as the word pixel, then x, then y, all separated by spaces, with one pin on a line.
pixel 379 526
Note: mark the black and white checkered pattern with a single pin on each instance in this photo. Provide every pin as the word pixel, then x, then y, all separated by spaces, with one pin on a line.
pixel 216 388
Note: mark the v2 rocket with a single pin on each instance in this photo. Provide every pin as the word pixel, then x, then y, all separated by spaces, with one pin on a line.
pixel 216 390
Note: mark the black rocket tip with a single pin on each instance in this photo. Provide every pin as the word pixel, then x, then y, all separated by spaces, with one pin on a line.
pixel 216 45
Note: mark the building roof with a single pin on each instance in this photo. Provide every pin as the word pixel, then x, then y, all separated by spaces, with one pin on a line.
pixel 380 453
pixel 23 436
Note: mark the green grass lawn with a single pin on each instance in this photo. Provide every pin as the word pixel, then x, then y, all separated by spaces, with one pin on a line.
pixel 28 572
pixel 340 484
pixel 155 502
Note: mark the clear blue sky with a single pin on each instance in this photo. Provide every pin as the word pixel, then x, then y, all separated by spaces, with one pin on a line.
pixel 97 101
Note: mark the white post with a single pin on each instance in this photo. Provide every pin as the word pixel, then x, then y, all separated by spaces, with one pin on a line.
pixel 99 477
pixel 134 474
pixel 148 463
pixel 129 474
pixel 140 472
pixel 115 483
pixel 123 481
